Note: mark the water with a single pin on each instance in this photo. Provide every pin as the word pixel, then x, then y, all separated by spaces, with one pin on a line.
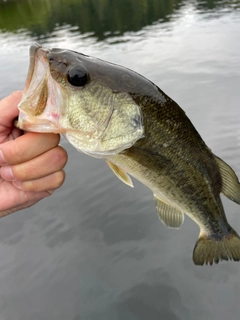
pixel 95 249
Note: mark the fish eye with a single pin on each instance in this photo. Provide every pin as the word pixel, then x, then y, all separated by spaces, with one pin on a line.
pixel 77 77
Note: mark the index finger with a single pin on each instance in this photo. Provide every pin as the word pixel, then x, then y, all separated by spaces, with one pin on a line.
pixel 8 109
pixel 27 147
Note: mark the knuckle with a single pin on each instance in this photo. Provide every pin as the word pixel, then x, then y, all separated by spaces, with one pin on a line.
pixel 60 156
pixel 55 138
pixel 59 178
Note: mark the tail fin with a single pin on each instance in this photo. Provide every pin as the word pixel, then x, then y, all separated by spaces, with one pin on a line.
pixel 209 250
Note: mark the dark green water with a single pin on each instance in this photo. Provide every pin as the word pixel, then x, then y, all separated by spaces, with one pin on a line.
pixel 96 250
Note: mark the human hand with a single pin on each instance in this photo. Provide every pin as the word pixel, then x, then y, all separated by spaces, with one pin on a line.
pixel 31 164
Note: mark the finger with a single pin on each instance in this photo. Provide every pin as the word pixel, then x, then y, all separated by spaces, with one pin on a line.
pixel 24 200
pixel 27 147
pixel 50 182
pixel 9 110
pixel 41 166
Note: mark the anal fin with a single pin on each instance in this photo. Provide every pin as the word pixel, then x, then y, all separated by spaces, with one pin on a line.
pixel 169 215
pixel 121 174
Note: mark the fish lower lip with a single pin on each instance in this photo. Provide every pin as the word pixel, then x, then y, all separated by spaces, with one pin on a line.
pixel 32 52
pixel 35 93
pixel 34 47
pixel 40 125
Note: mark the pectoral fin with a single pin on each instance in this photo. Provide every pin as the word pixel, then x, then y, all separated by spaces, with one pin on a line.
pixel 230 183
pixel 122 175
pixel 170 216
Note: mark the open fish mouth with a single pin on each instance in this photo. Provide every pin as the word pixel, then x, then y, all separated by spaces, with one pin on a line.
pixel 36 108
pixel 70 93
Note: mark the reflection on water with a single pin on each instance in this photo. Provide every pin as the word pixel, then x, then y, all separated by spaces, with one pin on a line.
pixel 95 249
pixel 100 19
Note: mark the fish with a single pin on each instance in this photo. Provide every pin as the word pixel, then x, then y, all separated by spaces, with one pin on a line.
pixel 113 113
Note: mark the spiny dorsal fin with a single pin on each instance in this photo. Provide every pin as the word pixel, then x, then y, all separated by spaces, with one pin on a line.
pixel 170 216
pixel 230 183
pixel 122 175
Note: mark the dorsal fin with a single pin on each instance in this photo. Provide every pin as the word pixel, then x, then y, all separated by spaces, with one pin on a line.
pixel 230 183
pixel 122 175
pixel 170 216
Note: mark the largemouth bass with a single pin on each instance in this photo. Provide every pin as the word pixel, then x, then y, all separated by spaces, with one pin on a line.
pixel 111 112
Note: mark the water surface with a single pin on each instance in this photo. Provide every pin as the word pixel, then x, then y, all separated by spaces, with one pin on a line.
pixel 96 249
